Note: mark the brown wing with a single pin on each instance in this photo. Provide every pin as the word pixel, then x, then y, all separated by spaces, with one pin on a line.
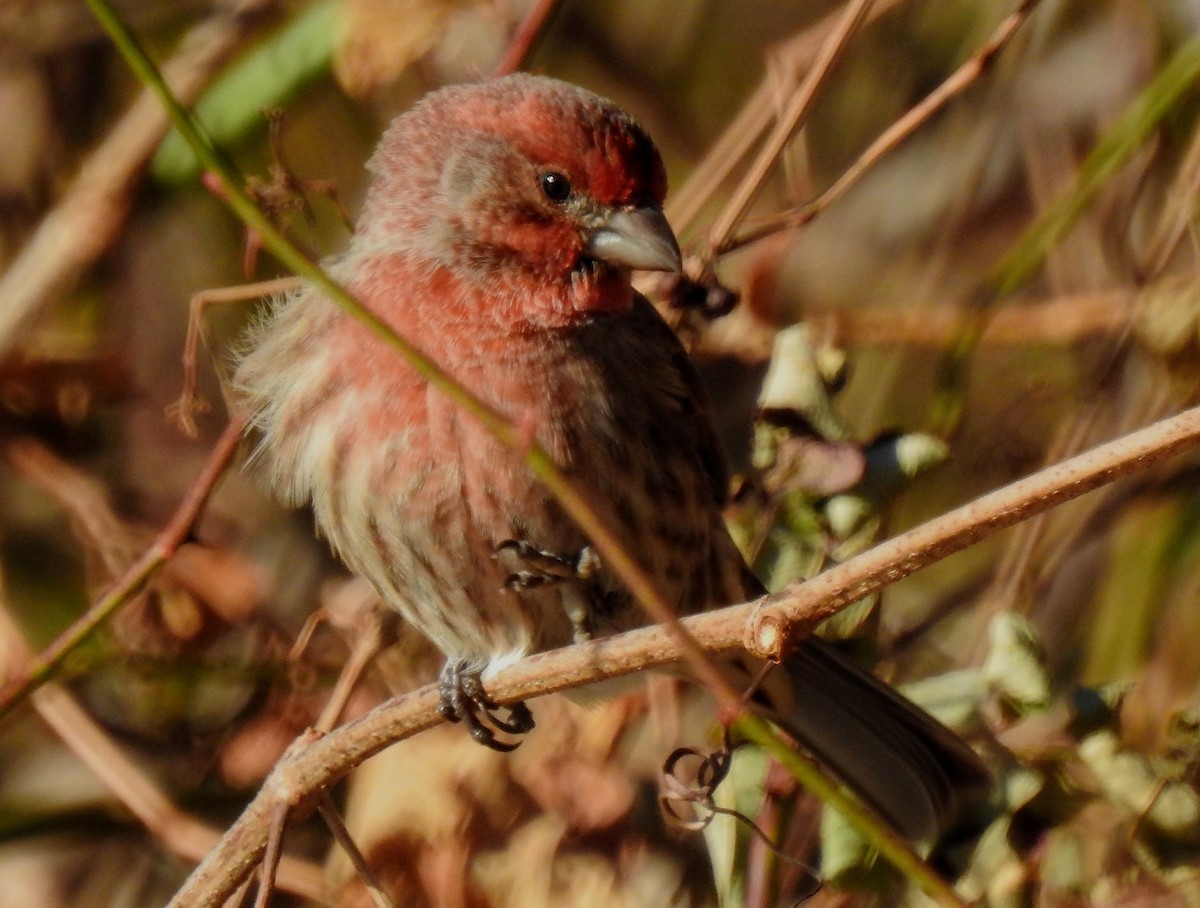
pixel 674 379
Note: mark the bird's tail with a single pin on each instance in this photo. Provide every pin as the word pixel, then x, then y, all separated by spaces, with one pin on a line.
pixel 918 774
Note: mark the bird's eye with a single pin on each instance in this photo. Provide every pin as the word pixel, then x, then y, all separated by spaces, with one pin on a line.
pixel 555 186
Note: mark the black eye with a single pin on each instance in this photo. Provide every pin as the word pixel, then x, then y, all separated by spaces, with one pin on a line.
pixel 556 187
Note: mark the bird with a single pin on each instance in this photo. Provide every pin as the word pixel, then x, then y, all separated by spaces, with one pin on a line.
pixel 498 235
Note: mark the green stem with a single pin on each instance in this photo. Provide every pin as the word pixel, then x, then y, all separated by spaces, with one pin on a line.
pixel 1128 134
pixel 130 583
pixel 1172 86
pixel 613 552
pixel 894 849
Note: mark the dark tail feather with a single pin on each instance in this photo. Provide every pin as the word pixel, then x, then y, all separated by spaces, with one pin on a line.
pixel 918 774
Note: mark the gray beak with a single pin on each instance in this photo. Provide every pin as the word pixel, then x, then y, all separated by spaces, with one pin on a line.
pixel 636 238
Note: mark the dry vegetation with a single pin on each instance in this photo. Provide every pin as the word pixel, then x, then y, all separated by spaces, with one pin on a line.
pixel 981 227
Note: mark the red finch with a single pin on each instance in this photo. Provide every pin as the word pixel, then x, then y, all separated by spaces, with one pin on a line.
pixel 498 236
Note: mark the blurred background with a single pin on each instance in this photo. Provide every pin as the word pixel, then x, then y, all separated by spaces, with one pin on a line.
pixel 1013 283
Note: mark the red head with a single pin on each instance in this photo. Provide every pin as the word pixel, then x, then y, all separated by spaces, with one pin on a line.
pixel 521 176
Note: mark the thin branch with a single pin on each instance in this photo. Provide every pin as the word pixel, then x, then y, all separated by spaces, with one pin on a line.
pixel 269 868
pixel 790 121
pixel 83 224
pixel 958 82
pixel 333 819
pixel 135 577
pixel 794 58
pixel 185 410
pixel 1178 212
pixel 1060 321
pixel 1172 84
pixel 532 27
pixel 323 761
pixel 367 644
pixel 83 499
pixel 180 832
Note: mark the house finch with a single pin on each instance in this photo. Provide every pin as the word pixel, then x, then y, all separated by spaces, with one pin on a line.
pixel 498 236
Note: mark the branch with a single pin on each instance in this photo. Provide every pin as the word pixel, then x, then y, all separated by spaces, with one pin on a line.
pixel 315 765
pixel 958 82
pixel 131 582
pixel 789 122
pixel 1061 321
pixel 83 224
pixel 532 27
pixel 793 59
pixel 178 831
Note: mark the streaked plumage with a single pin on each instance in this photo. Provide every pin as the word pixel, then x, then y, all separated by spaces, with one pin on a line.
pixel 526 300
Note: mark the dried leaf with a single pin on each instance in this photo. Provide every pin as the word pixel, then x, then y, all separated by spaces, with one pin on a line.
pixel 1168 313
pixel 380 39
pixel 812 465
pixel 797 381
pixel 226 581
pixel 1015 667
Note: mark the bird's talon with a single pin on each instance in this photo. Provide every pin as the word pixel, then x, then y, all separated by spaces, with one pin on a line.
pixel 470 685
pixel 520 717
pixel 538 567
pixel 519 721
pixel 481 734
pixel 463 699
pixel 527 580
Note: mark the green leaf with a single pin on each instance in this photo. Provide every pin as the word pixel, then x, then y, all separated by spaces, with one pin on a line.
pixel 285 62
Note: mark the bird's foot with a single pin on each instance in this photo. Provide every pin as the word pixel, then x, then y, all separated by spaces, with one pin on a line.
pixel 535 568
pixel 463 699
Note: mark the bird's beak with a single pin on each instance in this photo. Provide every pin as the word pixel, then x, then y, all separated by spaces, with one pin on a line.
pixel 637 238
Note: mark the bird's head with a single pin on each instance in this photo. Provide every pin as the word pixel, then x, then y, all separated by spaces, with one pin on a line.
pixel 524 177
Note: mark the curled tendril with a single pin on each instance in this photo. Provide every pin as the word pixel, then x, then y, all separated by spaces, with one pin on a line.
pixel 674 791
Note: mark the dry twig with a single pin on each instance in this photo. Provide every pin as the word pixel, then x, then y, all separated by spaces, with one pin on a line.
pixel 185 410
pixel 134 578
pixel 789 121
pixel 179 832
pixel 958 82
pixel 794 58
pixel 320 762
pixel 86 220
pixel 535 23
pixel 1060 321
pixel 333 819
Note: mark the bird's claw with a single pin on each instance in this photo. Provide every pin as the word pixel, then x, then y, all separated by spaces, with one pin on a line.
pixel 540 567
pixel 463 699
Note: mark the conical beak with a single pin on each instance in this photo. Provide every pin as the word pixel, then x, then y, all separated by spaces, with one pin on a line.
pixel 636 238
